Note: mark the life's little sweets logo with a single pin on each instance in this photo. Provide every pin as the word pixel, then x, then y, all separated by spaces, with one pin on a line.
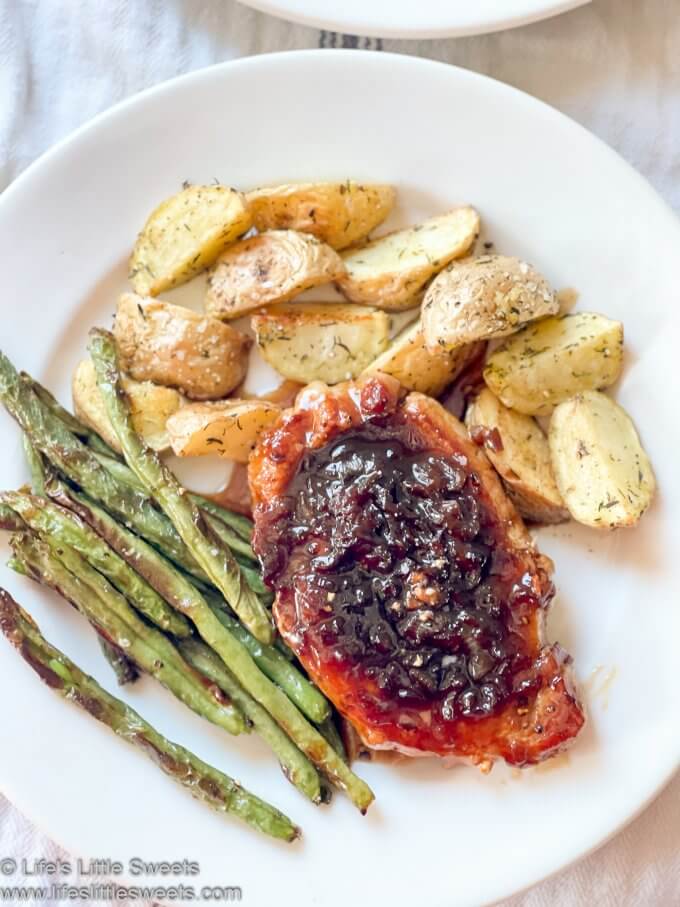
pixel 42 867
pixel 104 866
pixel 102 880
pixel 139 867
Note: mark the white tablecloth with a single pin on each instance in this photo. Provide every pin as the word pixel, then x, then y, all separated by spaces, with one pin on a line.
pixel 613 65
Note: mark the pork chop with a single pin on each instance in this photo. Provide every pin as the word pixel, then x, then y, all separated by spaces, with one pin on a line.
pixel 405 581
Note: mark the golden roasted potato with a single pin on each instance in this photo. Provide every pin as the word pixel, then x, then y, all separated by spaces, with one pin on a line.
pixel 520 454
pixel 271 267
pixel 340 214
pixel 550 361
pixel 229 428
pixel 601 468
pixel 481 298
pixel 324 341
pixel 391 271
pixel 151 407
pixel 418 369
pixel 171 345
pixel 185 235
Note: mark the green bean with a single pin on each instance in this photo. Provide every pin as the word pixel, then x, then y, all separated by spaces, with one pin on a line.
pixel 203 781
pixel 65 527
pixel 330 731
pixel 206 547
pixel 242 527
pixel 63 569
pixel 48 434
pixel 122 667
pixel 296 766
pixel 276 666
pixel 237 521
pixel 35 465
pixel 71 422
pixel 180 592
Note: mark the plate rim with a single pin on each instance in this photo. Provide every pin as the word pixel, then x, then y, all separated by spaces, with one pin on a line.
pixel 254 61
pixel 483 26
pixel 13 192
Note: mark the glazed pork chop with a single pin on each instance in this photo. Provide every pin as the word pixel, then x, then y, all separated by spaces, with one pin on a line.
pixel 405 581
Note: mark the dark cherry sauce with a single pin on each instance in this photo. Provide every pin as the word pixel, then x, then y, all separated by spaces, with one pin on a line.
pixel 389 557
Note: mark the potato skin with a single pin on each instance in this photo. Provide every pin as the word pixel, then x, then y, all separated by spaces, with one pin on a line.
pixel 339 214
pixel 229 428
pixel 173 346
pixel 184 235
pixel 329 342
pixel 418 369
pixel 481 298
pixel 600 466
pixel 390 272
pixel 151 406
pixel 548 362
pixel 520 454
pixel 268 268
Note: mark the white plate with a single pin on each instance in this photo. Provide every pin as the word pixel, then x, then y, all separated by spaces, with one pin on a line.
pixel 547 191
pixel 421 19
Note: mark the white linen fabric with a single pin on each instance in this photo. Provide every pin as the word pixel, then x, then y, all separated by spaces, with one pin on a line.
pixel 613 65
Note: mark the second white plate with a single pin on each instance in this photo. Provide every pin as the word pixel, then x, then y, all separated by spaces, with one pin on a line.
pixel 422 19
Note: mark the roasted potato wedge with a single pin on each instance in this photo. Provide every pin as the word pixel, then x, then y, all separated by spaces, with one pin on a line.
pixel 550 361
pixel 390 272
pixel 268 268
pixel 601 468
pixel 340 214
pixel 185 235
pixel 520 454
pixel 150 404
pixel 418 369
pixel 229 428
pixel 481 298
pixel 329 342
pixel 171 345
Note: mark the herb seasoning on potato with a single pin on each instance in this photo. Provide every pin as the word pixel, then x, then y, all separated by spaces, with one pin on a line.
pixel 520 455
pixel 184 236
pixel 419 369
pixel 339 214
pixel 229 428
pixel 200 356
pixel 150 404
pixel 390 272
pixel 481 298
pixel 600 466
pixel 550 361
pixel 271 267
pixel 328 342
